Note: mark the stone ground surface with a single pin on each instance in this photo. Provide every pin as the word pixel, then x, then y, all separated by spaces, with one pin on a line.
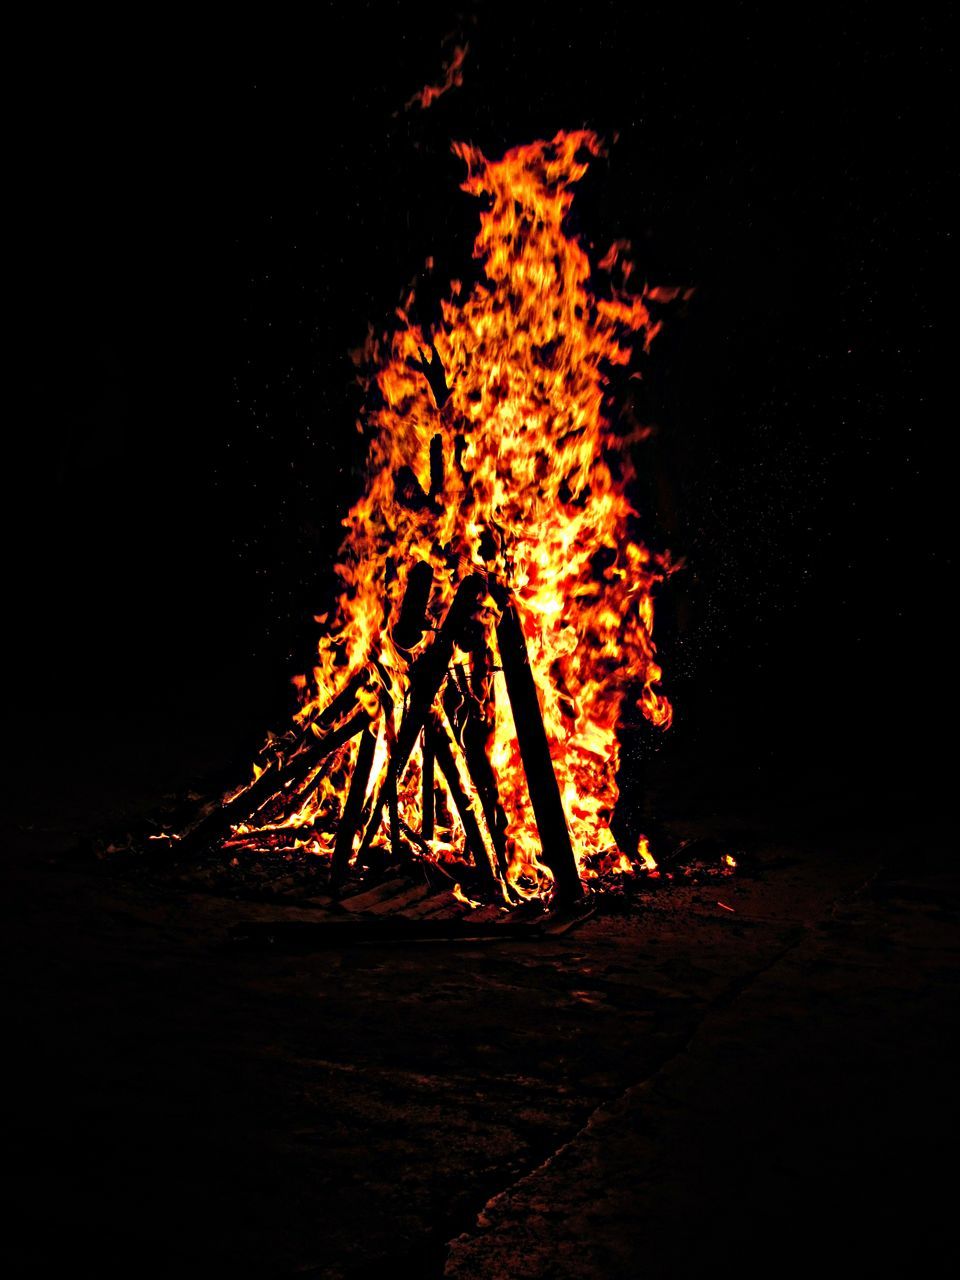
pixel 762 1090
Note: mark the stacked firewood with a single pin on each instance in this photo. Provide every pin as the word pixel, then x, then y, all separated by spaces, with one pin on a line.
pixel 446 712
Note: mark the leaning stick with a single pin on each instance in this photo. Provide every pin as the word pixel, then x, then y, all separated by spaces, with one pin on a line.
pixel 535 753
pixel 352 810
pixel 280 779
pixel 436 734
pixel 426 676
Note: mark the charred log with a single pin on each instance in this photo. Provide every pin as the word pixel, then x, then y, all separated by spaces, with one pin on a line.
pixel 393 815
pixel 343 702
pixel 435 733
pixel 412 621
pixel 353 809
pixel 472 728
pixel 283 777
pixel 475 739
pixel 436 466
pixel 535 754
pixel 429 671
pixel 429 802
pixel 435 374
pixel 426 676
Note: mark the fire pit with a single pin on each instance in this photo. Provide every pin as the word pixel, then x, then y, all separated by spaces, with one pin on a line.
pixel 494 622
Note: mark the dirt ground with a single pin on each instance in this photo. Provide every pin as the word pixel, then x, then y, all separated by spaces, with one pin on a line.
pixel 761 1089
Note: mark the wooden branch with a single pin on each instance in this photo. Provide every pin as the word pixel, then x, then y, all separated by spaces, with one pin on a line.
pixel 273 781
pixel 535 753
pixel 426 676
pixel 474 739
pixel 436 734
pixel 412 622
pixel 393 813
pixel 436 467
pixel 429 803
pixel 353 809
pixel 435 374
pixel 343 702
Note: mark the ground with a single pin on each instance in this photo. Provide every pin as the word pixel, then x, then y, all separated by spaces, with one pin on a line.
pixel 763 1089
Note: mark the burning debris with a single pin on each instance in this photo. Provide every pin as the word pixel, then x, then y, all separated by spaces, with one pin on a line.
pixel 452 79
pixel 495 612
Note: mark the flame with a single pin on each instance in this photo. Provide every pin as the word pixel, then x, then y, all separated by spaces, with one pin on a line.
pixel 452 78
pixel 462 897
pixel 514 380
pixel 644 854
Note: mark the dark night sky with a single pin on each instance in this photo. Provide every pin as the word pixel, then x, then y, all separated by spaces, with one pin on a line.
pixel 206 233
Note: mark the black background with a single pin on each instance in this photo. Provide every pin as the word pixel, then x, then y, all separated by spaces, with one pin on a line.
pixel 207 230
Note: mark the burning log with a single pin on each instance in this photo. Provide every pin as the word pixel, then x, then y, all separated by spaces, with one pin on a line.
pixel 426 676
pixel 535 754
pixel 343 702
pixel 436 467
pixel 350 819
pixel 435 733
pixel 412 622
pixel 408 490
pixel 474 736
pixel 484 779
pixel 429 801
pixel 431 668
pixel 393 814
pixel 282 778
pixel 435 375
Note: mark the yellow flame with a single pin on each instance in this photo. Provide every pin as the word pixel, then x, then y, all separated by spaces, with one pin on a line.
pixel 537 474
pixel 462 897
pixel 644 854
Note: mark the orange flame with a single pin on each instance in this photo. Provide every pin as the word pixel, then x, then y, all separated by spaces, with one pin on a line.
pixel 462 897
pixel 535 492
pixel 644 854
pixel 452 78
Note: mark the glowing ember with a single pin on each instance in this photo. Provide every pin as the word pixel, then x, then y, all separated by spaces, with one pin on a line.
pixel 491 453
